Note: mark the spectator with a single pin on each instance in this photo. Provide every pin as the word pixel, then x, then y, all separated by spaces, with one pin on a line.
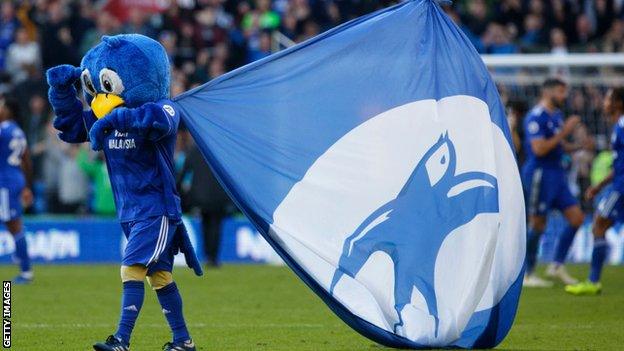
pixel 34 121
pixel 57 44
pixel 50 150
pixel 8 26
pixel 137 23
pixel 533 32
pixel 23 53
pixel 510 12
pixel 73 187
pixel 584 31
pixel 497 40
pixel 614 39
pixel 558 44
pixel 105 24
pixel 262 17
pixel 263 49
pixel 604 13
pixel 205 194
pixel 34 84
pixel 477 20
pixel 95 168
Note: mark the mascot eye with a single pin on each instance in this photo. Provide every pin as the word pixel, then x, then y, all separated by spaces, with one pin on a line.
pixel 110 82
pixel 87 84
pixel 437 164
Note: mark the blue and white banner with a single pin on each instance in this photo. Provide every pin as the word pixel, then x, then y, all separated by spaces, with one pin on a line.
pixel 376 159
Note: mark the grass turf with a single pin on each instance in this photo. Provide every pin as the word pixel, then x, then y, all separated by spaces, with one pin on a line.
pixel 268 308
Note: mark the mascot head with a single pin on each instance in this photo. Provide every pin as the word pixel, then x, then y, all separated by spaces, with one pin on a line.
pixel 128 70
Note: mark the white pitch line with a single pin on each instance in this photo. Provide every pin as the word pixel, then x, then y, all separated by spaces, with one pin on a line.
pixel 162 325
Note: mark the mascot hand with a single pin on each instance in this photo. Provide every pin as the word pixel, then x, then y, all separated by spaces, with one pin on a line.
pixel 151 120
pixel 98 133
pixel 63 76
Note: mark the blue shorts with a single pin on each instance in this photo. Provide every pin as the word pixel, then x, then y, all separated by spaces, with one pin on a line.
pixel 150 243
pixel 10 203
pixel 545 190
pixel 610 205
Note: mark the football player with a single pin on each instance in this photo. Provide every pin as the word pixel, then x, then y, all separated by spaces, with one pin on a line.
pixel 15 184
pixel 545 181
pixel 611 206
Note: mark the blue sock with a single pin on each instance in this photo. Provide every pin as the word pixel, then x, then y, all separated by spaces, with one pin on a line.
pixel 563 244
pixel 21 251
pixel 131 303
pixel 171 303
pixel 599 254
pixel 533 241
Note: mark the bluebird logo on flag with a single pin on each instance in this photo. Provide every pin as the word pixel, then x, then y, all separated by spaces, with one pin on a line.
pixel 411 231
pixel 376 160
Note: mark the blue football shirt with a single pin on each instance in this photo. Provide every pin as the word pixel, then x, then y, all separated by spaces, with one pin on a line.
pixel 12 147
pixel 142 171
pixel 617 144
pixel 540 124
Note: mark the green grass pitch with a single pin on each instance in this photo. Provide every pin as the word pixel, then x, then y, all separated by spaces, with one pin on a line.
pixel 251 307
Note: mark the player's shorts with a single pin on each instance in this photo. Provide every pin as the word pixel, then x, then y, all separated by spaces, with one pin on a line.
pixel 10 203
pixel 545 190
pixel 611 205
pixel 150 243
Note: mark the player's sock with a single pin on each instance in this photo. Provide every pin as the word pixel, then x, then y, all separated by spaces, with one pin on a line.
pixel 533 241
pixel 171 303
pixel 564 243
pixel 599 254
pixel 131 303
pixel 21 252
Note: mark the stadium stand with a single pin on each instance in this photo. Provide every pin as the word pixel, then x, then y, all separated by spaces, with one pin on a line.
pixel 206 38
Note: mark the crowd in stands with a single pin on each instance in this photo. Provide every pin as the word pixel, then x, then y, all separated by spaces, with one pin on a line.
pixel 206 38
pixel 532 26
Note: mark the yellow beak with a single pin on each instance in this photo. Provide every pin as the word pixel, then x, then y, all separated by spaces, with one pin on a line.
pixel 102 104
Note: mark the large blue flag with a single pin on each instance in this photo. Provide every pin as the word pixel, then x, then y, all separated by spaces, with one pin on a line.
pixel 376 159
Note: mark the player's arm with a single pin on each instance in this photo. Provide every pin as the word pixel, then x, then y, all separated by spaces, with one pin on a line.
pixel 541 146
pixel 593 190
pixel 27 170
pixel 71 120
pixel 588 144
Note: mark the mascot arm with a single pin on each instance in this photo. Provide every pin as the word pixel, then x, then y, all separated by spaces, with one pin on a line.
pixel 152 120
pixel 71 120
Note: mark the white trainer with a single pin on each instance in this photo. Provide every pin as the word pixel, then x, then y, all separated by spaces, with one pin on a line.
pixel 533 281
pixel 558 271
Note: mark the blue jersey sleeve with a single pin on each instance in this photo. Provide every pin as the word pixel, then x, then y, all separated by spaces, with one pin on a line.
pixel 535 126
pixel 168 117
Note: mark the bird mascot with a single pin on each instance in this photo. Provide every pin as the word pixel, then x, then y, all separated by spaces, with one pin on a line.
pixel 125 80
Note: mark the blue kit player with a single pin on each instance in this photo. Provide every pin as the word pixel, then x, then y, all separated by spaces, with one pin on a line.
pixel 126 84
pixel 545 181
pixel 15 180
pixel 611 206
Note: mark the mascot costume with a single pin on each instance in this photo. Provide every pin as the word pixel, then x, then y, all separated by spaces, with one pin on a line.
pixel 126 82
pixel 375 159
